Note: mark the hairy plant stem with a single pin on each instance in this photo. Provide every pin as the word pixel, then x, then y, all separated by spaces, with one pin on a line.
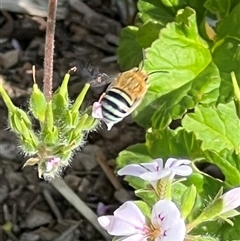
pixel 49 49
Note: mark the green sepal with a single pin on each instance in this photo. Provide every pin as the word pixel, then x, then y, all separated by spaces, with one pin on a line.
pixel 38 103
pixel 51 136
pixel 65 157
pixel 81 124
pixel 90 123
pixel 68 119
pixel 17 119
pixel 60 100
pixel 8 102
pixel 210 212
pixel 78 102
pixel 59 105
pixel 29 145
pixel 188 201
pixel 49 116
pixel 76 142
pixel 15 114
pixel 200 238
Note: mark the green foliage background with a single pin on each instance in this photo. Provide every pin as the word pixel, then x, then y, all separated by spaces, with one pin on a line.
pixel 190 110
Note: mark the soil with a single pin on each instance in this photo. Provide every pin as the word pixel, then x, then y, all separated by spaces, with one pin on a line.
pixel 31 208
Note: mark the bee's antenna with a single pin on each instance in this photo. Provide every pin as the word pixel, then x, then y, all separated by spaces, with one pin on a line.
pixel 143 60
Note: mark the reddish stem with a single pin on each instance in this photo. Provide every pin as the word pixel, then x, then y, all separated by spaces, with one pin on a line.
pixel 49 49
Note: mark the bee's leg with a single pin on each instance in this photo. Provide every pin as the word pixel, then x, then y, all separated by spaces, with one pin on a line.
pixel 102 95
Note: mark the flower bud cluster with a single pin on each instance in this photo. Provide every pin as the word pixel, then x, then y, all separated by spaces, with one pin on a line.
pixel 62 127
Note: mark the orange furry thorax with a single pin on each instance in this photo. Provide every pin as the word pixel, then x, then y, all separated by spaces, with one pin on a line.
pixel 133 82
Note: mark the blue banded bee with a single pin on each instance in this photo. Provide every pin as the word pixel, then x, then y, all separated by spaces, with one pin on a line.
pixel 122 96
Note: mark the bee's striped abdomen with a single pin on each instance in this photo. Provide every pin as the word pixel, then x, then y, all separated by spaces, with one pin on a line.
pixel 115 104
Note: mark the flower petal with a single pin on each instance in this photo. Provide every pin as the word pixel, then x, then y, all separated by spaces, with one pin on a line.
pixel 97 110
pixel 173 162
pixel 154 176
pixel 182 170
pixel 166 216
pixel 231 200
pixel 115 226
pixel 134 237
pixel 132 170
pixel 130 213
pixel 177 232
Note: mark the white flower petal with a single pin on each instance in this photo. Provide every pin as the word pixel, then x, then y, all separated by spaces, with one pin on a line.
pixel 134 237
pixel 132 170
pixel 115 226
pixel 159 161
pixel 182 170
pixel 130 213
pixel 231 200
pixel 173 162
pixel 166 216
pixel 154 176
pixel 177 232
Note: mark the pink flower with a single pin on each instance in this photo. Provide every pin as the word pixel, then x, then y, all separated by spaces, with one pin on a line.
pixel 51 163
pixel 97 110
pixel 129 224
pixel 97 114
pixel 154 170
pixel 231 200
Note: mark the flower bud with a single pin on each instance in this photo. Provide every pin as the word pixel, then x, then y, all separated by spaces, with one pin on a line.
pixel 188 201
pixel 38 103
pixel 60 99
pixel 78 102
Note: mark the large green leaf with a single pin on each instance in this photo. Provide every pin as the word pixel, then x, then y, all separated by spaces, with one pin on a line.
pixel 227 57
pixel 155 10
pixel 187 76
pixel 148 33
pixel 129 50
pixel 228 162
pixel 229 27
pixel 218 127
pixel 173 143
pixel 219 7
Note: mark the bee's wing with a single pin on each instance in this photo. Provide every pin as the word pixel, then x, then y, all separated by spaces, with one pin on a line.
pixel 101 80
pixel 133 107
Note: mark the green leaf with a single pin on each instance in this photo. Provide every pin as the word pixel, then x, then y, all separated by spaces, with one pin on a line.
pixel 134 154
pixel 169 143
pixel 221 8
pixel 206 186
pixel 152 28
pixel 217 127
pixel 229 27
pixel 189 76
pixel 129 51
pixel 228 162
pixel 155 10
pixel 174 3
